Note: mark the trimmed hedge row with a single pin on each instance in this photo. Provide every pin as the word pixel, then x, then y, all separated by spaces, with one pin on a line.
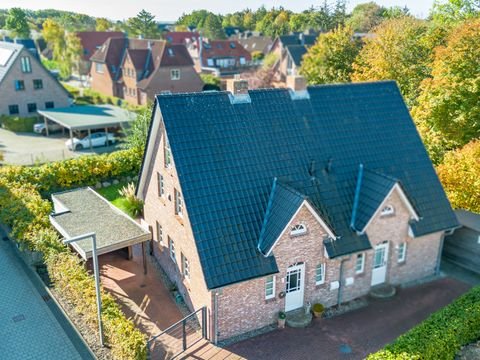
pixel 26 212
pixel 17 123
pixel 440 336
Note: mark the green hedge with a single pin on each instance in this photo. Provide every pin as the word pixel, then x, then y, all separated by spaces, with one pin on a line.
pixel 440 336
pixel 26 212
pixel 18 124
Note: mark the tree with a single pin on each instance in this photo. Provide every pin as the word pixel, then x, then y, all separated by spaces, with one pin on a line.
pixel 365 17
pixel 212 28
pixel 54 35
pixel 448 110
pixel 103 24
pixel 397 52
pixel 17 23
pixel 195 19
pixel 143 25
pixel 459 176
pixel 454 11
pixel 395 12
pixel 136 135
pixel 331 59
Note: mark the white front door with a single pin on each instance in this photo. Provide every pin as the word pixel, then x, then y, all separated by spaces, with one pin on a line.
pixel 380 258
pixel 294 287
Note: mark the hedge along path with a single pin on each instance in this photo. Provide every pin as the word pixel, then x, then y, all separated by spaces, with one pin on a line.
pixel 440 336
pixel 26 212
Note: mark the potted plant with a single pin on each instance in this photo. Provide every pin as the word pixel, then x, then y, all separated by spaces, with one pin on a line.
pixel 318 310
pixel 281 319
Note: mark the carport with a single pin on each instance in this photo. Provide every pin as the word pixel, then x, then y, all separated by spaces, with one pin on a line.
pixel 87 117
pixel 83 210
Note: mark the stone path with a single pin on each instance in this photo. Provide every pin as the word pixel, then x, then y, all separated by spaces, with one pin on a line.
pixel 28 328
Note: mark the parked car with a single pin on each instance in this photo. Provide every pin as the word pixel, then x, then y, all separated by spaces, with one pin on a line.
pixel 98 139
pixel 41 129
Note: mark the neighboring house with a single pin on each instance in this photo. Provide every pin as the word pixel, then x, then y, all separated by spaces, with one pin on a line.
pixel 91 41
pixel 289 50
pixel 227 57
pixel 182 37
pixel 25 84
pixel 136 69
pixel 270 200
pixel 463 246
pixel 256 43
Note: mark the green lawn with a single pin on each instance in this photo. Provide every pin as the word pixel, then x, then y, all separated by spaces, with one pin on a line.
pixel 111 194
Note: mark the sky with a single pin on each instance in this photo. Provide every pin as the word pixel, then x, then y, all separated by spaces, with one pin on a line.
pixel 169 10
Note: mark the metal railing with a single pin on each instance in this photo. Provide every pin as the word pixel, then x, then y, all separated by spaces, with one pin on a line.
pixel 179 337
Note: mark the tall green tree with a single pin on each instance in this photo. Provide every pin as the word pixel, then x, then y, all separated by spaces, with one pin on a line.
pixel 212 28
pixel 365 17
pixel 448 110
pixel 17 23
pixel 103 24
pixel 144 25
pixel 136 135
pixel 331 59
pixel 453 11
pixel 397 52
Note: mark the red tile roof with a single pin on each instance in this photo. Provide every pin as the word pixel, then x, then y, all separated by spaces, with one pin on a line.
pixel 91 40
pixel 223 49
pixel 181 37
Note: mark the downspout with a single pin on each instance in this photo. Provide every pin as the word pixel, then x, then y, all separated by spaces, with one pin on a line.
pixel 439 257
pixel 215 317
pixel 340 282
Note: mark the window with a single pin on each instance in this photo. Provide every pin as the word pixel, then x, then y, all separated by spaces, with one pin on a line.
pixel 161 185
pixel 99 68
pixel 26 65
pixel 49 105
pixel 175 74
pixel 13 109
pixel 388 210
pixel 402 252
pixel 210 62
pixel 232 45
pixel 298 229
pixel 171 247
pixel 185 267
pixel 360 263
pixel 19 85
pixel 32 107
pixel 242 60
pixel 170 52
pixel 37 84
pixel 159 233
pixel 270 287
pixel 320 274
pixel 178 203
pixel 168 154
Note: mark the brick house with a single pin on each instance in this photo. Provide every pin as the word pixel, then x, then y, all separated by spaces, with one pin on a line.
pixel 91 41
pixel 137 69
pixel 267 201
pixel 25 84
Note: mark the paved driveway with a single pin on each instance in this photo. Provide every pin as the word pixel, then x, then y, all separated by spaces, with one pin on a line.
pixel 28 327
pixel 358 333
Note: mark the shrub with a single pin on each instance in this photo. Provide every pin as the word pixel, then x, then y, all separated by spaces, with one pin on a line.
pixel 318 308
pixel 134 205
pixel 18 124
pixel 282 315
pixel 257 56
pixel 441 335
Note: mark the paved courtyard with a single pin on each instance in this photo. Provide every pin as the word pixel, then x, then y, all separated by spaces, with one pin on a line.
pixel 28 327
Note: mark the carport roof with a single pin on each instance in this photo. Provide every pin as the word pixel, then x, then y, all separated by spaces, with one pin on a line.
pixel 83 210
pixel 88 116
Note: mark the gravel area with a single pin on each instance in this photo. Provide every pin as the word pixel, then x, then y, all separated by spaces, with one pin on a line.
pixel 469 352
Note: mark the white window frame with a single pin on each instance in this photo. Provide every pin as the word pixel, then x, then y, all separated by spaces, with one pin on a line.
pixel 26 64
pixel 298 229
pixel 402 252
pixel 478 240
pixel 161 185
pixel 99 68
pixel 175 74
pixel 210 62
pixel 242 60
pixel 171 249
pixel 387 210
pixel 322 280
pixel 270 280
pixel 168 154
pixel 159 233
pixel 178 203
pixel 185 267
pixel 362 264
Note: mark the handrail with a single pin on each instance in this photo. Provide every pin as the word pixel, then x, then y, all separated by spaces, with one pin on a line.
pixel 175 324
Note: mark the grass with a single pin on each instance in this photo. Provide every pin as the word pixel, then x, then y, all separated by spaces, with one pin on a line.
pixel 111 194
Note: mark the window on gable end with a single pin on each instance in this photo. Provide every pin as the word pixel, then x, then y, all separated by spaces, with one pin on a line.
pixel 360 263
pixel 270 287
pixel 320 274
pixel 298 229
pixel 168 154
pixel 387 210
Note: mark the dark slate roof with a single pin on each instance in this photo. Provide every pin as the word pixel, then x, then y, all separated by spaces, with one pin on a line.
pixel 371 189
pixel 296 39
pixel 468 219
pixel 227 153
pixel 282 205
pixel 8 54
pixel 296 53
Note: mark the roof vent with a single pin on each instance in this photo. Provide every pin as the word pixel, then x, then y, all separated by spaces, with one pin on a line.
pixel 239 99
pixel 328 166
pixel 311 168
pixel 299 94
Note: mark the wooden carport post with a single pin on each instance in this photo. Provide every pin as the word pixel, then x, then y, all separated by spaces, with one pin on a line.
pixel 90 139
pixel 106 137
pixel 71 139
pixel 46 125
pixel 144 258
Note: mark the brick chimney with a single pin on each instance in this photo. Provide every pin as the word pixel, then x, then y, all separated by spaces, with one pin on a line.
pixel 296 82
pixel 237 85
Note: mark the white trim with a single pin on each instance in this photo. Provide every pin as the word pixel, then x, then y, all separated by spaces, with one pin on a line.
pixel 404 254
pixel 323 267
pixel 301 230
pixel 362 269
pixel 403 197
pixel 315 215
pixel 273 287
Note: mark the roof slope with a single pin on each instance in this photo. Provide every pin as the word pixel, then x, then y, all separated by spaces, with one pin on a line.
pixel 223 49
pixel 468 219
pixel 296 53
pixel 372 188
pixel 227 154
pixel 298 39
pixel 8 54
pixel 282 206
pixel 92 40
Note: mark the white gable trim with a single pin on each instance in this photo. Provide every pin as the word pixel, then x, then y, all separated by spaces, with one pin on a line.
pixel 403 197
pixel 315 215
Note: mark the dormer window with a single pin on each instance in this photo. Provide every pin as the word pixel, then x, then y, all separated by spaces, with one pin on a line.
pixel 298 229
pixel 170 52
pixel 387 210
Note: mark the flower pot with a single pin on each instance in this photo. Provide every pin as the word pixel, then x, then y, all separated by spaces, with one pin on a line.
pixel 317 310
pixel 281 323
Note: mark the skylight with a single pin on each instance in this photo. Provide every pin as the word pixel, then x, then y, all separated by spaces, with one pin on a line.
pixel 5 55
pixel 170 52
